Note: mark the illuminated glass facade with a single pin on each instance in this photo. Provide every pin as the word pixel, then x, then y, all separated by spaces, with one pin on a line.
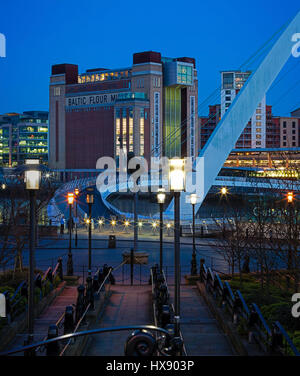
pixel 172 121
pixel 23 136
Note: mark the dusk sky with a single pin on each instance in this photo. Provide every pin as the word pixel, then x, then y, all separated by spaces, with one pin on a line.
pixel 221 35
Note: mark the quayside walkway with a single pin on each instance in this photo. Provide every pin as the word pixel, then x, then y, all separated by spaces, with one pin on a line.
pixel 201 332
pixel 128 305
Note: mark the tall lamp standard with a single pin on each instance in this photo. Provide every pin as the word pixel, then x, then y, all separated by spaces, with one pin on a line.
pixel 76 191
pixel 32 180
pixel 161 197
pixel 90 201
pixel 290 201
pixel 70 258
pixel 177 184
pixel 193 200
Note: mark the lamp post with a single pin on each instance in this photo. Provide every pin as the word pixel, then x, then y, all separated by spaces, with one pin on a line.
pixel 290 201
pixel 70 258
pixel 32 180
pixel 90 201
pixel 177 184
pixel 161 197
pixel 193 200
pixel 76 191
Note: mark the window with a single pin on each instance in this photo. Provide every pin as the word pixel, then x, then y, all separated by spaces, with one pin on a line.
pixel 258 117
pixel 293 131
pixel 56 91
pixel 284 131
pixel 258 111
pixel 294 124
pixel 228 92
pixel 284 137
pixel 142 124
pixel 258 123
pixel 284 144
pixel 284 124
pixel 227 104
pixel 294 143
pixel 228 99
pixel 228 81
pixel 258 130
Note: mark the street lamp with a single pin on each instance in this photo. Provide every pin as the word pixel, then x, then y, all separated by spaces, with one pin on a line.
pixel 90 201
pixel 224 191
pixel 193 200
pixel 76 191
pixel 70 198
pixel 32 180
pixel 161 198
pixel 113 223
pixel 290 197
pixel 177 184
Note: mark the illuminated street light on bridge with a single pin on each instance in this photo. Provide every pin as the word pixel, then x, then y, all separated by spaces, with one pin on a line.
pixel 224 191
pixel 290 197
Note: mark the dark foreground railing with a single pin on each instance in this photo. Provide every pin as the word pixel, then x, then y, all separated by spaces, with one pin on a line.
pixel 271 341
pixel 141 342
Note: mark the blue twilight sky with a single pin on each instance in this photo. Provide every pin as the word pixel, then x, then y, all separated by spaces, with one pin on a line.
pixel 221 35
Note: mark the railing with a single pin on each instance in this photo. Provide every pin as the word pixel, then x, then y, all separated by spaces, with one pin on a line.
pixel 163 309
pixel 13 306
pixel 275 340
pixel 89 305
pixel 144 340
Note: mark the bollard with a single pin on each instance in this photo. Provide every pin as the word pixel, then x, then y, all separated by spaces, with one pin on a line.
pixel 276 340
pixel 253 320
pixel 202 262
pixel 60 269
pixel 69 324
pixel 52 349
pixel 237 305
pixel 165 317
pixel 80 303
pixel 38 281
pixel 89 292
pixel 49 276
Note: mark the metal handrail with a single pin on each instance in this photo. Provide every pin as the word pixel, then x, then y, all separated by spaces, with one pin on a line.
pixel 263 329
pixel 84 333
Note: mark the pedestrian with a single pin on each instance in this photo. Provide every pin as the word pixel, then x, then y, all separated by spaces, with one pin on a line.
pixel 62 225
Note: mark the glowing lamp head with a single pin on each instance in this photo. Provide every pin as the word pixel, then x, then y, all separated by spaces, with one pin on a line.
pixel 87 221
pixel 176 174
pixel 100 222
pixel 113 222
pixel 161 196
pixel 193 199
pixel 90 196
pixel 3 186
pixel 76 191
pixel 290 197
pixel 70 198
pixel 126 223
pixel 224 191
pixel 32 175
pixel 47 175
pixel 154 224
pixel 140 224
pixel 168 225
